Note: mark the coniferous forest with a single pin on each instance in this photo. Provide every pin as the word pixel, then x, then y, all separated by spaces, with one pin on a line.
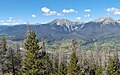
pixel 36 59
pixel 59 37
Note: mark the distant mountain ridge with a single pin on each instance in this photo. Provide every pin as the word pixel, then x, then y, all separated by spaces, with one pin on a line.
pixel 98 29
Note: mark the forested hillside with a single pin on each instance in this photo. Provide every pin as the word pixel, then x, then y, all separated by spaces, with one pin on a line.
pixel 59 37
pixel 95 30
pixel 37 59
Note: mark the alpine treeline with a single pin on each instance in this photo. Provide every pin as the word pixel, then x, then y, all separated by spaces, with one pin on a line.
pixel 35 59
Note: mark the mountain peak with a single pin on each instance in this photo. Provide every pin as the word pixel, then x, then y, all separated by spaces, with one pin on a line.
pixel 61 22
pixel 105 20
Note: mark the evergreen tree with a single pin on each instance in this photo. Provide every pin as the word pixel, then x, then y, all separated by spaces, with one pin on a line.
pixel 99 71
pixel 113 67
pixel 3 44
pixel 72 65
pixel 18 59
pixel 55 66
pixel 46 65
pixel 31 62
pixel 62 69
pixel 10 63
pixel 3 54
pixel 13 61
pixel 35 62
pixel 92 69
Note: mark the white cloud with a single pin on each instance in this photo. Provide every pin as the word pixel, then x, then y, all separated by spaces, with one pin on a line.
pixel 117 13
pixel 9 21
pixel 48 12
pixel 1 21
pixel 51 13
pixel 45 9
pixel 78 18
pixel 87 10
pixel 5 23
pixel 113 10
pixel 59 14
pixel 10 18
pixel 69 11
pixel 88 15
pixel 34 16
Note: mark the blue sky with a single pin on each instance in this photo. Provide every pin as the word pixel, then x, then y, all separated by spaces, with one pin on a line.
pixel 43 11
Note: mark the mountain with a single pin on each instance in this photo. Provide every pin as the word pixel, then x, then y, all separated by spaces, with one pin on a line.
pixel 98 29
pixel 64 22
pixel 105 20
pixel 71 26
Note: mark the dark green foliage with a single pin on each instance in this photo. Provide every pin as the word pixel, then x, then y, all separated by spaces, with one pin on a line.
pixel 35 62
pixel 92 69
pixel 3 53
pixel 55 66
pixel 62 69
pixel 46 65
pixel 18 60
pixel 11 62
pixel 99 71
pixel 3 44
pixel 32 59
pixel 113 67
pixel 72 65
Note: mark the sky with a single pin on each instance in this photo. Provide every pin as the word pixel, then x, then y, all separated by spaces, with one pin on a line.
pixel 43 11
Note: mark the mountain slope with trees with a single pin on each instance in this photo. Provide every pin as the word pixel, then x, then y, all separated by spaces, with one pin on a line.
pixel 98 29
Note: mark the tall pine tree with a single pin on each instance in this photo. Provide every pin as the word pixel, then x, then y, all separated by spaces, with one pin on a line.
pixel 3 54
pixel 92 69
pixel 72 65
pixel 18 59
pixel 35 62
pixel 99 71
pixel 11 65
pixel 31 62
pixel 113 67
pixel 55 66
pixel 62 68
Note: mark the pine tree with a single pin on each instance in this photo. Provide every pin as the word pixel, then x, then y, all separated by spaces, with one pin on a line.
pixel 46 65
pixel 35 62
pixel 113 67
pixel 10 63
pixel 99 71
pixel 3 44
pixel 72 65
pixel 18 59
pixel 92 69
pixel 13 61
pixel 62 68
pixel 46 62
pixel 55 66
pixel 3 54
pixel 31 62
